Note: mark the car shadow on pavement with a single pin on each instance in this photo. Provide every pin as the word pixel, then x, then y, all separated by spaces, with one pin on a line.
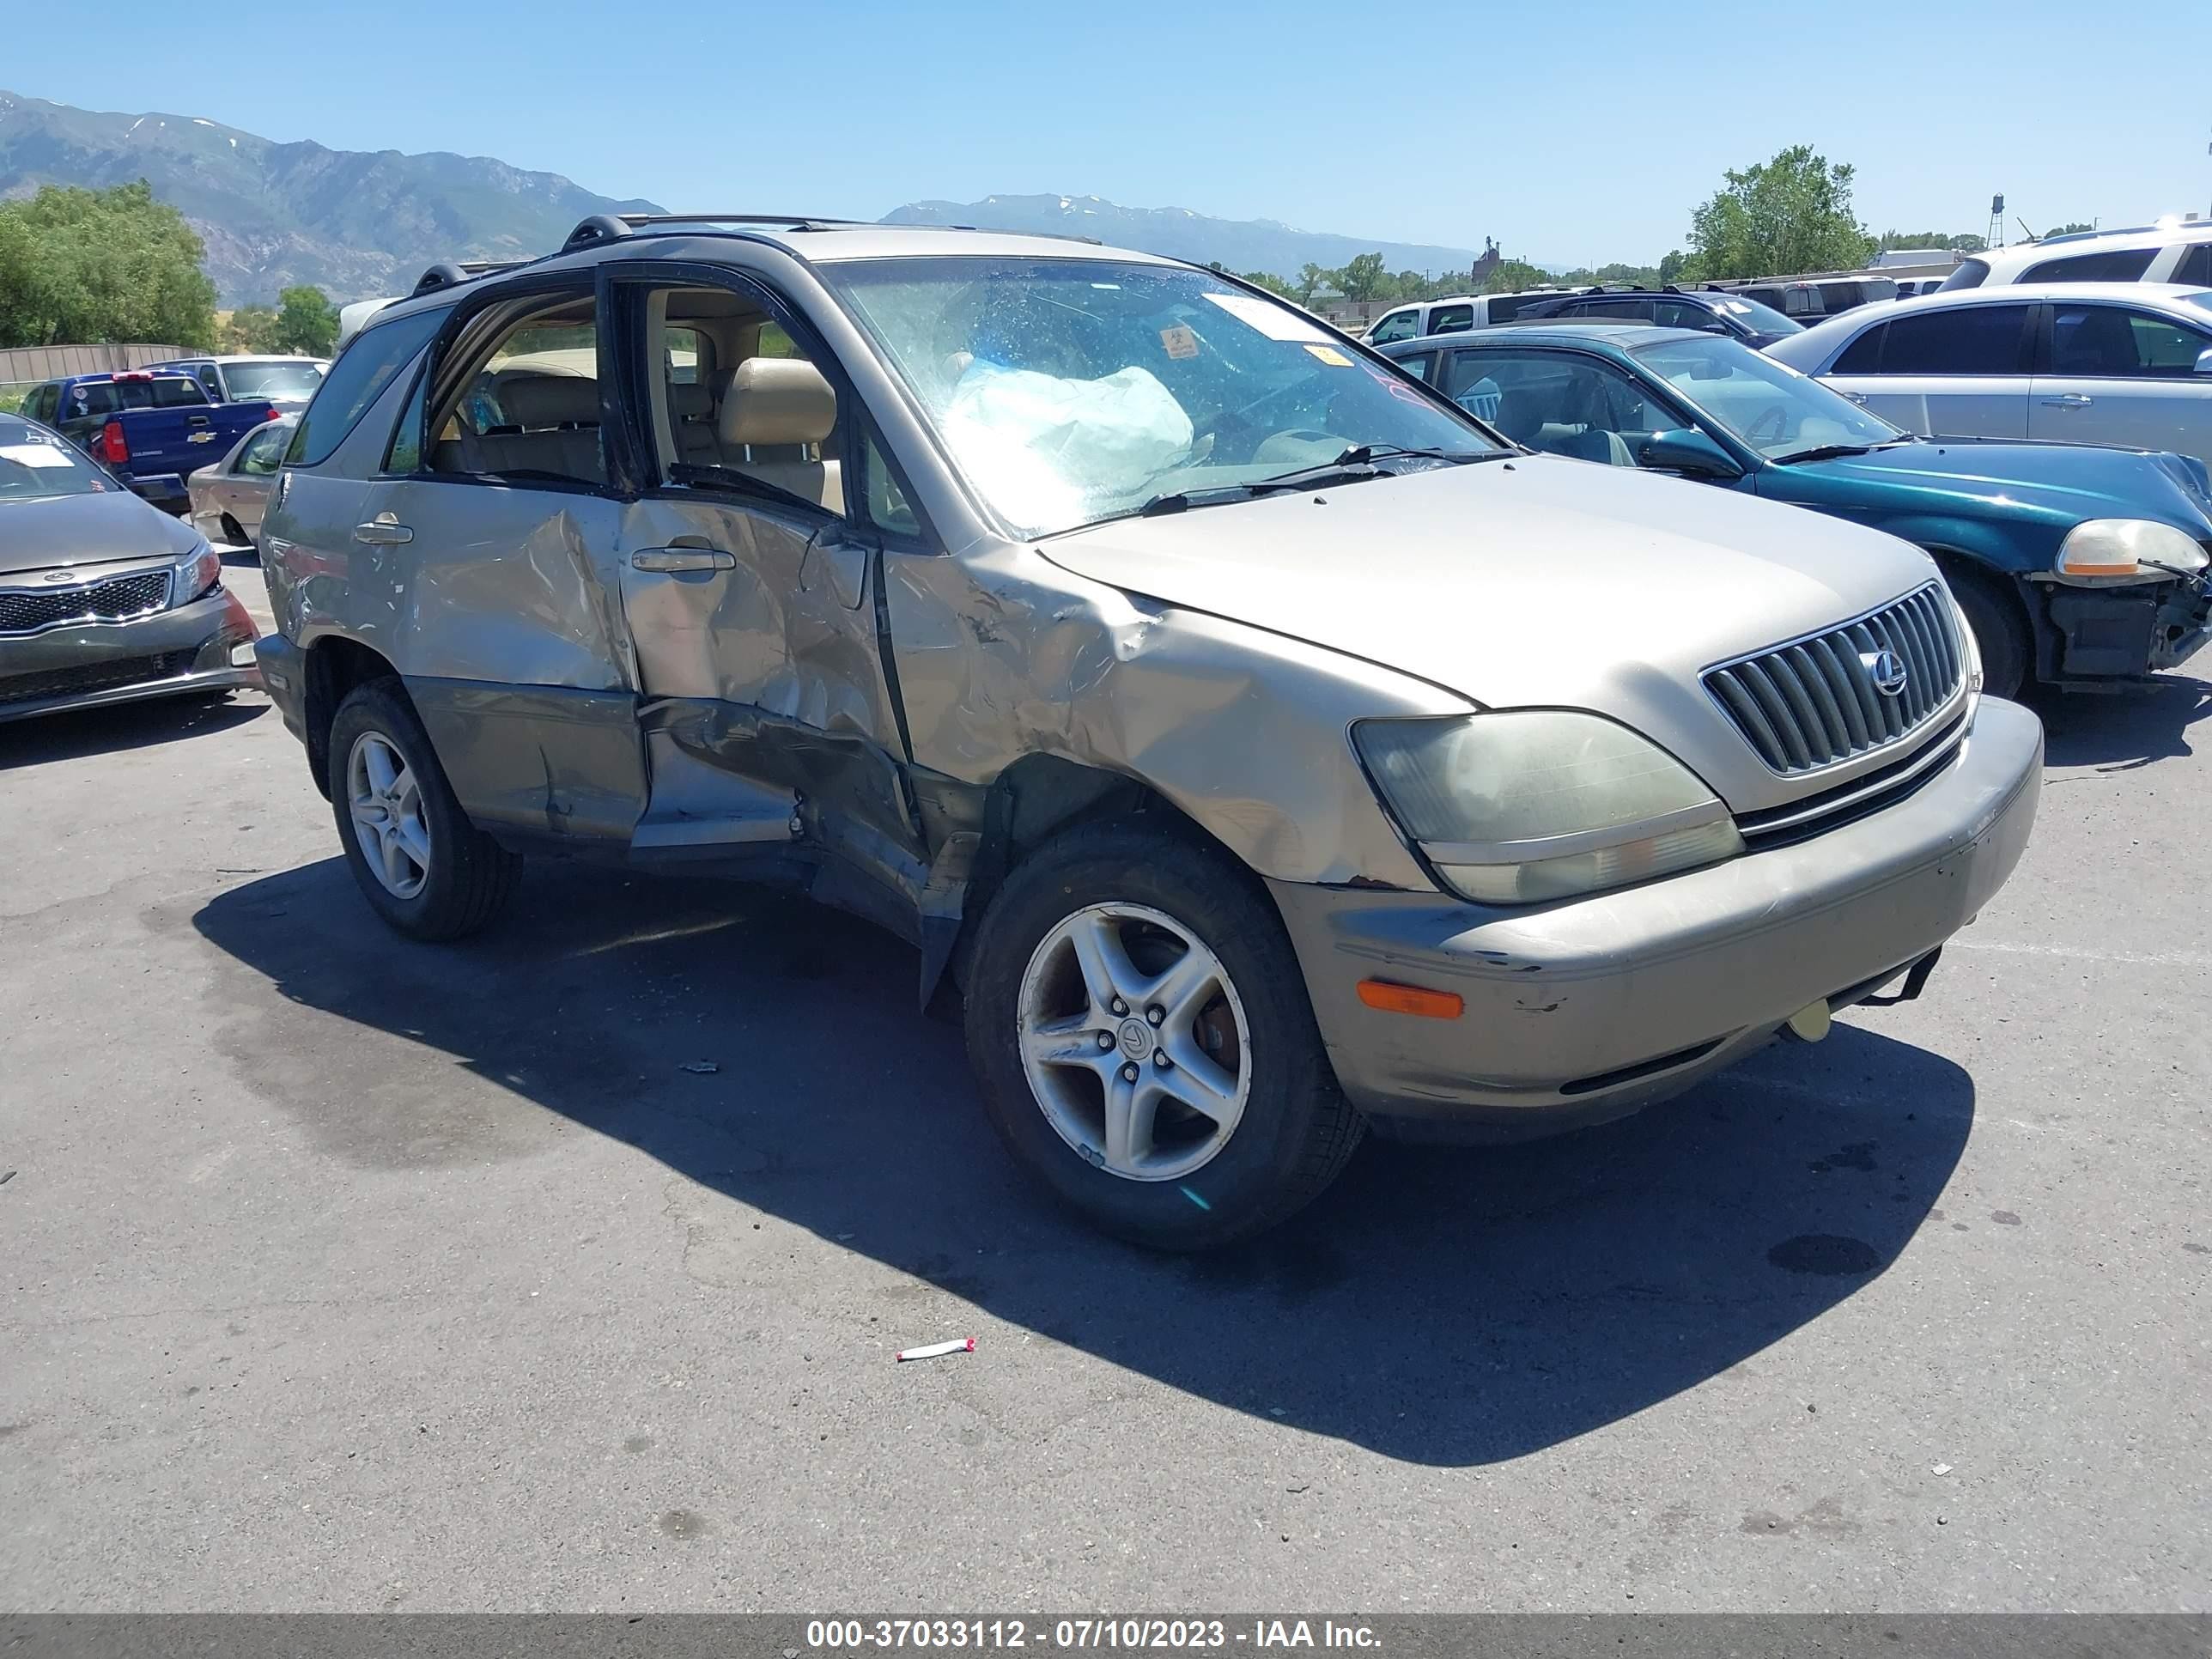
pixel 1446 1307
pixel 79 733
pixel 2125 730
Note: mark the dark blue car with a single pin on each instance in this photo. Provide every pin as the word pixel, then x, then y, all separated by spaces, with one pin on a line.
pixel 2075 566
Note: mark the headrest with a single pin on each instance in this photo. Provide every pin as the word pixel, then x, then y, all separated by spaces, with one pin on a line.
pixel 690 402
pixel 544 400
pixel 775 400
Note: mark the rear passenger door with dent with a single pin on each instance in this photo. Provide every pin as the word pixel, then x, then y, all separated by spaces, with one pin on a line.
pixel 750 593
pixel 492 538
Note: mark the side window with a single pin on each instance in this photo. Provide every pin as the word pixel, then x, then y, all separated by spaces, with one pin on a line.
pixel 2108 341
pixel 1968 273
pixel 889 510
pixel 1451 319
pixel 1560 402
pixel 1398 325
pixel 688 356
pixel 2195 266
pixel 1417 365
pixel 403 455
pixel 1680 314
pixel 179 391
pixel 529 407
pixel 764 423
pixel 2121 267
pixel 1963 340
pixel 263 452
pixel 43 402
pixel 1505 307
pixel 1469 384
pixel 1864 354
pixel 1620 311
pixel 370 362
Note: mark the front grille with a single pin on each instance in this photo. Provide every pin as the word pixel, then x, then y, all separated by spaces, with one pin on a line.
pixel 92 677
pixel 1815 702
pixel 24 609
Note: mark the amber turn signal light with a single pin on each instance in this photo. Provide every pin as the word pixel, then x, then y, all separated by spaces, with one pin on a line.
pixel 1409 999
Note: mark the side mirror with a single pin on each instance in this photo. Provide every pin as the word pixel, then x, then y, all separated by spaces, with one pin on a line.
pixel 1689 452
pixel 2204 361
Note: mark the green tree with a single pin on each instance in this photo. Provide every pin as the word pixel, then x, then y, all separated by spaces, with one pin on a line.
pixel 1511 275
pixel 94 267
pixel 306 322
pixel 1271 283
pixel 1311 280
pixel 1679 267
pixel 2061 230
pixel 1777 218
pixel 1963 241
pixel 1365 278
pixel 249 328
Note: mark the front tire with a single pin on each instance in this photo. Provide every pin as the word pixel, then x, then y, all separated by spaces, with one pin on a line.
pixel 418 861
pixel 1145 1047
pixel 1999 634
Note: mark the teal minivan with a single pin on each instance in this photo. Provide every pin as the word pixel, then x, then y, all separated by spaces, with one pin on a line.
pixel 2076 566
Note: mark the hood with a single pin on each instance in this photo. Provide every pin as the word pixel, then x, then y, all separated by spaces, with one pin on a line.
pixel 109 527
pixel 2060 483
pixel 1534 581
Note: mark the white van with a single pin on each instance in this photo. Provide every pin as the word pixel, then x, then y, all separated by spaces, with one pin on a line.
pixel 1455 315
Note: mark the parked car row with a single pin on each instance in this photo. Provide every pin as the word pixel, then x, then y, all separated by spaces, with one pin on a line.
pixel 149 428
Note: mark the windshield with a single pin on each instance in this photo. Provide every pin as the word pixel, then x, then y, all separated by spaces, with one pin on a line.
pixel 1772 408
pixel 1068 390
pixel 34 463
pixel 1760 318
pixel 291 382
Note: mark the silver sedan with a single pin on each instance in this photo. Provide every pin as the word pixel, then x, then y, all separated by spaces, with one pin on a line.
pixel 229 498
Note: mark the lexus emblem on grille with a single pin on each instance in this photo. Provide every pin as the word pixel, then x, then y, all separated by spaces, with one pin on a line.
pixel 58 577
pixel 1886 670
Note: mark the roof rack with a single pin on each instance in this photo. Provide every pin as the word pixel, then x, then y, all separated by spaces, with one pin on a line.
pixel 447 273
pixel 607 226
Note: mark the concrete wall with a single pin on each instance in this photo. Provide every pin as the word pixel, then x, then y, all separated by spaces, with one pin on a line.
pixel 36 363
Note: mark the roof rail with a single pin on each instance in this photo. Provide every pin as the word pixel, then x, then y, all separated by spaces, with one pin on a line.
pixel 604 227
pixel 446 273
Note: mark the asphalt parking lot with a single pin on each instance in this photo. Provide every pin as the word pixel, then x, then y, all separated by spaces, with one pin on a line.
pixel 343 1274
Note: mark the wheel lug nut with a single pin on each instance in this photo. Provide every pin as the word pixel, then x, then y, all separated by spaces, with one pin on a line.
pixel 1156 1014
pixel 1120 1008
pixel 1160 1059
pixel 1129 1072
pixel 1105 1039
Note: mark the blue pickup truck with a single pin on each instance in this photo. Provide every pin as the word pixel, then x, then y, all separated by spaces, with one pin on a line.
pixel 150 428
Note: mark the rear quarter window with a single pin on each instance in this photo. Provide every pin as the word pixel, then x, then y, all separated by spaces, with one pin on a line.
pixel 2126 266
pixel 370 362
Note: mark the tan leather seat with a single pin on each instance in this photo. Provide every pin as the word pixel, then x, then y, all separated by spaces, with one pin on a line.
pixel 775 414
pixel 692 408
pixel 559 418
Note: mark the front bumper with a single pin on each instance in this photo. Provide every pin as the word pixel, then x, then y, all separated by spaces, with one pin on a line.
pixel 1583 1011
pixel 2126 632
pixel 169 654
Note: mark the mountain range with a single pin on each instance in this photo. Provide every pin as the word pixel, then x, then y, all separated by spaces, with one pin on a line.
pixel 357 223
pixel 353 223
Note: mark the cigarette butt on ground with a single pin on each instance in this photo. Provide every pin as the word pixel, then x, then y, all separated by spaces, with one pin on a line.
pixel 958 1345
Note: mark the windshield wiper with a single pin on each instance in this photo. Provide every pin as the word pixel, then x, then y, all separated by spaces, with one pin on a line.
pixel 1359 453
pixel 1836 451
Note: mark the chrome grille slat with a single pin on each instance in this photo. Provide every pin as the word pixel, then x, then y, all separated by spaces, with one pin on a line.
pixel 1813 703
pixel 27 609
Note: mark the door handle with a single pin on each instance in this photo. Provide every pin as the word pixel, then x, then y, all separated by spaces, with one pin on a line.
pixel 1857 397
pixel 677 560
pixel 383 532
pixel 2071 400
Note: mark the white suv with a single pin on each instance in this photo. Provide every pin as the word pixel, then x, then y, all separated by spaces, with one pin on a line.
pixel 2181 253
pixel 1455 315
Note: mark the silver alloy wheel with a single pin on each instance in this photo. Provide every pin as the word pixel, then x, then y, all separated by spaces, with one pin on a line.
pixel 387 803
pixel 1134 1041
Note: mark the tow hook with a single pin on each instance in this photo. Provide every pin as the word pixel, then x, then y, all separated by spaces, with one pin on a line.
pixel 1916 981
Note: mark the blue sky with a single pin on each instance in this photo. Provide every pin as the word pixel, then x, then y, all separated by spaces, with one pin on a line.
pixel 1571 133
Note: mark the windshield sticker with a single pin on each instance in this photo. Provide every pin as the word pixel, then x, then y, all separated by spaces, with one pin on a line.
pixel 1330 355
pixel 34 454
pixel 1179 342
pixel 1276 322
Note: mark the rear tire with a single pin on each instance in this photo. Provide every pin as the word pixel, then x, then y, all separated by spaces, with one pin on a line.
pixel 435 875
pixel 1999 634
pixel 1232 1017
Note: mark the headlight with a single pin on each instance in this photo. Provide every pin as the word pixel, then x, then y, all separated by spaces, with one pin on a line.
pixel 2117 550
pixel 194 574
pixel 1542 803
pixel 1966 633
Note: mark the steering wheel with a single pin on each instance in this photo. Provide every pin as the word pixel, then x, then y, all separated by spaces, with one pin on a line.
pixel 1774 415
